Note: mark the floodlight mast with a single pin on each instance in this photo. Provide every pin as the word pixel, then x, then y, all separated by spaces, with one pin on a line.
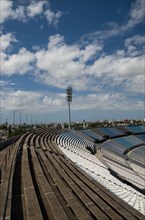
pixel 69 100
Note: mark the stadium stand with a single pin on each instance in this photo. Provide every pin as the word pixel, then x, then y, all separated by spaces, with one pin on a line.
pixel 54 174
pixel 94 136
pixel 101 171
pixel 136 129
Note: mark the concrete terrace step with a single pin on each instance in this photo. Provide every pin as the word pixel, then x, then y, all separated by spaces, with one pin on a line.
pixel 60 182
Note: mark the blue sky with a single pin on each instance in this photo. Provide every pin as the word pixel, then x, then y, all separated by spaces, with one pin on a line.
pixel 97 47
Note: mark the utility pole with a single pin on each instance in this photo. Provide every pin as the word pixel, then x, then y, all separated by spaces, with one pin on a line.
pixel 31 119
pixel 20 118
pixel 13 117
pixel 69 100
pixel 36 118
pixel 26 118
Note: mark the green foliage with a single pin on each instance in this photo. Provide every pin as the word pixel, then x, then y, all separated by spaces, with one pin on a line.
pixel 92 125
pixel 65 125
pixel 3 127
pixel 18 130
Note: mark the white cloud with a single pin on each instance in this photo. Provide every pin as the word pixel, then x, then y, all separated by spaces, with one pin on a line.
pixel 22 101
pixel 132 51
pixel 52 17
pixel 59 58
pixel 19 13
pixel 35 8
pixel 67 61
pixel 8 12
pixel 36 48
pixel 54 102
pixel 136 14
pixel 55 41
pixel 135 45
pixel 5 83
pixel 120 71
pixel 5 41
pixel 26 11
pixel 136 40
pixel 90 52
pixel 112 29
pixel 62 65
pixel 100 101
pixel 5 10
pixel 79 65
pixel 118 66
pixel 19 63
pixel 136 85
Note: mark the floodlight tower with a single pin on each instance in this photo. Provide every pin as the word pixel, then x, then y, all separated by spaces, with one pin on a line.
pixel 69 100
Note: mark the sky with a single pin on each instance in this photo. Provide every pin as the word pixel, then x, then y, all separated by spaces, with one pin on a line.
pixel 95 46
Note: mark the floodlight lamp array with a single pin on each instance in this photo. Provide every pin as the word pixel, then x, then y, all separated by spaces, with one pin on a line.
pixel 69 94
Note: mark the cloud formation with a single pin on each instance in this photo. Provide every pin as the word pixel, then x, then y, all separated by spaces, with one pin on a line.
pixel 60 65
pixel 136 40
pixel 19 63
pixel 35 8
pixel 52 17
pixel 101 80
pixel 67 61
pixel 82 68
pixel 6 40
pixel 136 16
pixel 21 100
pixel 6 10
pixel 24 12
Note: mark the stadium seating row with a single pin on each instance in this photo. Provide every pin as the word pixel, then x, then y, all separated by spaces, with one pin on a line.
pixel 91 164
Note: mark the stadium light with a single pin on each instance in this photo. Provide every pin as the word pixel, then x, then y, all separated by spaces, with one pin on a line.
pixel 69 100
